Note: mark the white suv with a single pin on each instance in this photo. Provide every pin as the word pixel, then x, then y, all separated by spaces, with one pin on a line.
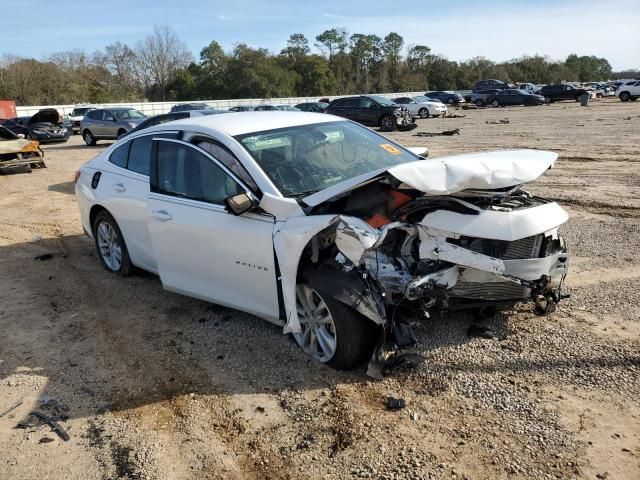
pixel 629 91
pixel 76 116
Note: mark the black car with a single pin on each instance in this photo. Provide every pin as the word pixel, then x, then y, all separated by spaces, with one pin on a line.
pixel 317 107
pixel 491 84
pixel 183 107
pixel 450 98
pixel 553 93
pixel 373 110
pixel 170 117
pixel 242 108
pixel 45 126
pixel 516 97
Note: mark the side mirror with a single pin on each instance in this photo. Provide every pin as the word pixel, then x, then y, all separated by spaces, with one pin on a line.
pixel 239 204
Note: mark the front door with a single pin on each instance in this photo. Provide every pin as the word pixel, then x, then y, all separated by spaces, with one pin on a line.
pixel 201 249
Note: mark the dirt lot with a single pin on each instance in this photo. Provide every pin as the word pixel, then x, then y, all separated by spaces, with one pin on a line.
pixel 160 386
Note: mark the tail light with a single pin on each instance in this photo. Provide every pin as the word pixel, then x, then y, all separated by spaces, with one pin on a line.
pixel 76 177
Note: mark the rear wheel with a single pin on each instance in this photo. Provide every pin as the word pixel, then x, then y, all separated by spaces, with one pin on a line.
pixel 110 245
pixel 89 139
pixel 495 104
pixel 388 123
pixel 423 113
pixel 479 103
pixel 332 333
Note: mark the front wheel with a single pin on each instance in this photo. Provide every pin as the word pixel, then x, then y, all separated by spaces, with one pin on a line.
pixel 332 333
pixel 110 245
pixel 495 104
pixel 388 123
pixel 423 113
pixel 625 96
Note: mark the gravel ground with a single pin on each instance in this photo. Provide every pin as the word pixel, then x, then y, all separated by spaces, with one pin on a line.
pixel 155 385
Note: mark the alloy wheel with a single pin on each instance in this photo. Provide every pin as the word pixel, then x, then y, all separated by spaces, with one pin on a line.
pixel 109 246
pixel 318 336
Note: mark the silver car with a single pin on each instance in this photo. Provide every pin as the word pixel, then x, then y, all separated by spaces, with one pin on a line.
pixel 109 123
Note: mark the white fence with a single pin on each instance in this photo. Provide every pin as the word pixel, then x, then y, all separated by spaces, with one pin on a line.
pixel 156 108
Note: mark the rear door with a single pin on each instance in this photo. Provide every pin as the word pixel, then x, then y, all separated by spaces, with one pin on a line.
pixel 367 111
pixel 201 249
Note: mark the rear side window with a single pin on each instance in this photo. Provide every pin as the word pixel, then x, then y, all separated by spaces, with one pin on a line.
pixel 95 114
pixel 182 171
pixel 119 155
pixel 140 155
pixel 348 103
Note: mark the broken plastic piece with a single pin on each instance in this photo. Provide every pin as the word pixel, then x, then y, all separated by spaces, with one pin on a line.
pixel 395 403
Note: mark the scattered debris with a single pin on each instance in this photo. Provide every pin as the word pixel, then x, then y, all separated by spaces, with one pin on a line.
pixel 395 403
pixel 453 115
pixel 481 332
pixel 43 257
pixel 448 133
pixel 12 407
pixel 497 122
pixel 260 409
pixel 57 412
pixel 46 440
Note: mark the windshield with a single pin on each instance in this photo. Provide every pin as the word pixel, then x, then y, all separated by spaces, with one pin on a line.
pixel 305 159
pixel 76 112
pixel 128 114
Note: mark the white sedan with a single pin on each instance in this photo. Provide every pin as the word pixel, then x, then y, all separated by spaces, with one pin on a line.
pixel 422 106
pixel 323 226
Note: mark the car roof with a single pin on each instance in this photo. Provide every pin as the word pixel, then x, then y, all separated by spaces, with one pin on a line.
pixel 248 122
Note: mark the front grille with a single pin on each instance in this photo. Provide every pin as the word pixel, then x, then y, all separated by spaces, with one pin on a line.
pixel 528 247
pixel 489 291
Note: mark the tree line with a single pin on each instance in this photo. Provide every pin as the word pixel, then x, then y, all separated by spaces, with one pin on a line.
pixel 161 67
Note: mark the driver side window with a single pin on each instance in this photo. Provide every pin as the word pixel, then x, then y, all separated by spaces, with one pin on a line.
pixel 182 171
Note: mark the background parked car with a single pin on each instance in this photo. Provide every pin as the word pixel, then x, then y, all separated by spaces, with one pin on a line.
pixel 265 108
pixel 629 91
pixel 450 98
pixel 483 97
pixel 242 108
pixel 372 110
pixel 184 107
pixel 317 107
pixel 287 108
pixel 423 109
pixel 109 123
pixel 45 126
pixel 516 97
pixel 528 87
pixel 170 117
pixel 491 84
pixel 76 116
pixel 423 98
pixel 553 93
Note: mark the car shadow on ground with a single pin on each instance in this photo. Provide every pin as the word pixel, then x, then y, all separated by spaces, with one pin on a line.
pixel 64 187
pixel 101 341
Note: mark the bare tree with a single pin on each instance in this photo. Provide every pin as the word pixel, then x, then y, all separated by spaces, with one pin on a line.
pixel 158 57
pixel 121 61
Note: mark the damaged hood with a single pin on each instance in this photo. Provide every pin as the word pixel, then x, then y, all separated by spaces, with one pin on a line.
pixel 47 115
pixel 448 175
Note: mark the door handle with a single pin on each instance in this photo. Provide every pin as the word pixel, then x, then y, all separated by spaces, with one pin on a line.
pixel 161 215
pixel 119 187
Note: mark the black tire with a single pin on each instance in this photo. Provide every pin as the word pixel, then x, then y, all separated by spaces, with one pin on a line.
pixel 126 267
pixel 479 103
pixel 121 132
pixel 354 336
pixel 88 137
pixel 625 96
pixel 388 123
pixel 423 112
pixel 548 100
pixel 450 101
pixel 495 104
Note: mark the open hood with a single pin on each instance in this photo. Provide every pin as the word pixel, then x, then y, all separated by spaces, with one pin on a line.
pixel 47 115
pixel 448 175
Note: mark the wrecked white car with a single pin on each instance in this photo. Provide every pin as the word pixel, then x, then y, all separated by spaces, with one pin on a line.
pixel 323 226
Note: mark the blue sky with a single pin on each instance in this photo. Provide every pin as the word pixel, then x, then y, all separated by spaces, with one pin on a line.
pixel 497 29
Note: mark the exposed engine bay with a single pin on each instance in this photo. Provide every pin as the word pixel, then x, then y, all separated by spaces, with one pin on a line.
pixel 385 245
